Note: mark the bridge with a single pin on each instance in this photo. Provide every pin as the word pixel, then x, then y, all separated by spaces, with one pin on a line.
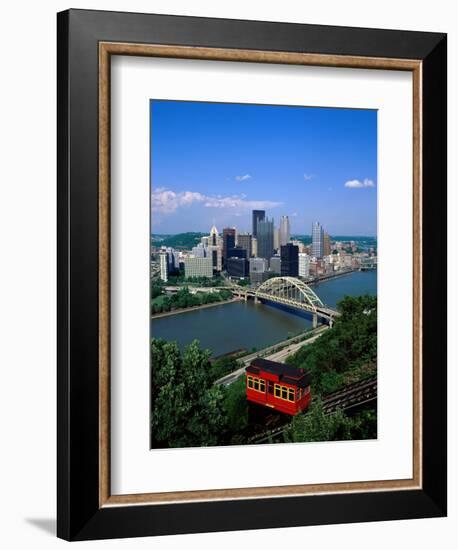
pixel 291 292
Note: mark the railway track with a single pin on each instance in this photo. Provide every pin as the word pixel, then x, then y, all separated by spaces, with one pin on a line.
pixel 349 397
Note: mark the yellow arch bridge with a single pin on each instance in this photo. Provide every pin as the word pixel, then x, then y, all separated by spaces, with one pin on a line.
pixel 291 292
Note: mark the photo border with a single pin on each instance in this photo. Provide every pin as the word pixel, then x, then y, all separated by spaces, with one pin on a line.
pixel 87 40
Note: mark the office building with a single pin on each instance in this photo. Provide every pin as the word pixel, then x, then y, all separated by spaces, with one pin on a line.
pixel 326 244
pixel 275 264
pixel 244 240
pixel 215 249
pixel 228 241
pixel 198 267
pixel 300 245
pixel 237 252
pixel 237 267
pixel 285 232
pixel 265 238
pixel 258 270
pixel 199 251
pixel 289 260
pixel 276 238
pixel 317 240
pixel 258 215
pixel 254 246
pixel 164 266
pixel 304 265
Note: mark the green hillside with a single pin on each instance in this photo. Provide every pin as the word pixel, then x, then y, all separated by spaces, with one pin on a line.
pixel 181 240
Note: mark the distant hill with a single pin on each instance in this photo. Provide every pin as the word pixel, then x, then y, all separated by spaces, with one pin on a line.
pixel 180 240
pixel 307 239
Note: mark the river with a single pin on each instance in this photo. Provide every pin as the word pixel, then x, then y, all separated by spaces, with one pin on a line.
pixel 228 327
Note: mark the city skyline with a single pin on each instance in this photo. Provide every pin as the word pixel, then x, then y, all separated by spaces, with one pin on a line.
pixel 301 162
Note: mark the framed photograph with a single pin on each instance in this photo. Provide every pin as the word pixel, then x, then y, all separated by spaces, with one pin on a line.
pixel 250 330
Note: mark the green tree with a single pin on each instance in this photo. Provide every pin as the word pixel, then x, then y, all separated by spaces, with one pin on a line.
pixel 224 365
pixel 351 344
pixel 187 410
pixel 236 409
pixel 316 426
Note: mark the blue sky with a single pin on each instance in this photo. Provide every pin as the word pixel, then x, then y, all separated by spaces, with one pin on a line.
pixel 215 162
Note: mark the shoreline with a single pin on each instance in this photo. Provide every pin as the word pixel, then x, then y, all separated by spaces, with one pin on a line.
pixel 193 308
pixel 333 276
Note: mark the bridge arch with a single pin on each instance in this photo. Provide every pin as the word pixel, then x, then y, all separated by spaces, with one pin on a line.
pixel 290 289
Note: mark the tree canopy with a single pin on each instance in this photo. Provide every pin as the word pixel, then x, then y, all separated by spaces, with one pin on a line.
pixel 187 409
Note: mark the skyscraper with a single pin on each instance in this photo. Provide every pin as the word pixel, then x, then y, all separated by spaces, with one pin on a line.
pixel 304 265
pixel 265 236
pixel 326 244
pixel 276 238
pixel 289 260
pixel 228 241
pixel 244 240
pixel 258 215
pixel 317 240
pixel 285 232
pixel 164 266
pixel 215 249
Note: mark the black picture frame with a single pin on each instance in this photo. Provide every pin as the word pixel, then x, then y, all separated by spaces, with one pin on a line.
pixel 80 516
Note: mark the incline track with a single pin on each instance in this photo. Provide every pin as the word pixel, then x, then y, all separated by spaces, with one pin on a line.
pixel 349 397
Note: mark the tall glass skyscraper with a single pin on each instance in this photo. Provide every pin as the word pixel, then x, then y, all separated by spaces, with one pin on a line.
pixel 317 240
pixel 228 241
pixel 265 238
pixel 258 215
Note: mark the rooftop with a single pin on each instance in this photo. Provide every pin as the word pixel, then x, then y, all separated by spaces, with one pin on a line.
pixel 286 373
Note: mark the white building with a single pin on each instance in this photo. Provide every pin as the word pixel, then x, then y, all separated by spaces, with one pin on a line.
pixel 285 231
pixel 164 266
pixel 198 267
pixel 215 249
pixel 276 238
pixel 254 246
pixel 199 251
pixel 304 265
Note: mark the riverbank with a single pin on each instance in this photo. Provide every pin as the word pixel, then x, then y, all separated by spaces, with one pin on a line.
pixel 192 308
pixel 324 278
pixel 241 324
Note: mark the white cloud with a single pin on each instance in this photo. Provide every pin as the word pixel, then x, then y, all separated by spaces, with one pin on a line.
pixel 166 201
pixel 359 184
pixel 243 178
pixel 308 177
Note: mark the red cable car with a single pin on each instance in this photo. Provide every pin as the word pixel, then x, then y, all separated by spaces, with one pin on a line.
pixel 278 386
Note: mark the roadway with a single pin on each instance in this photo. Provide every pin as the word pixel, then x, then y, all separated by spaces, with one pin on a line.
pixel 291 346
